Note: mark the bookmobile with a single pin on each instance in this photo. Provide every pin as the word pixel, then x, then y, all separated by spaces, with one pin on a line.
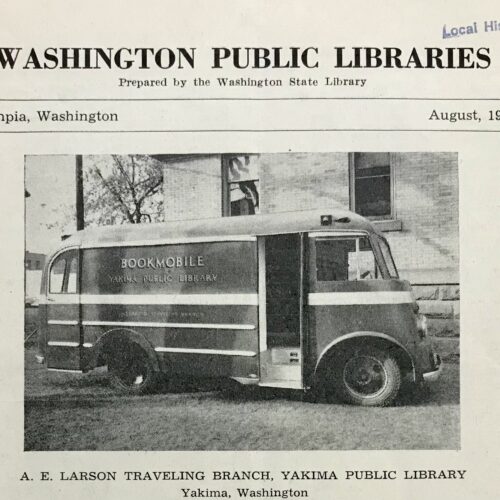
pixel 307 300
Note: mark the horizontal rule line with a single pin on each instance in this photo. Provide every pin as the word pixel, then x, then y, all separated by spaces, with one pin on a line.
pixel 197 131
pixel 134 99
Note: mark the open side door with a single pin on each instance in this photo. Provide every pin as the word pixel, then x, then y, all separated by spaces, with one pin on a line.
pixel 281 310
pixel 63 312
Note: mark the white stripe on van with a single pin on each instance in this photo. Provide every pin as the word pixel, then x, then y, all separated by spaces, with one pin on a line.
pixel 166 241
pixel 62 322
pixel 61 298
pixel 359 298
pixel 63 344
pixel 221 352
pixel 63 370
pixel 206 299
pixel 154 324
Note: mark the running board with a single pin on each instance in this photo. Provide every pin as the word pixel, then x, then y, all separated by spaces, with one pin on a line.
pixel 282 384
pixel 64 370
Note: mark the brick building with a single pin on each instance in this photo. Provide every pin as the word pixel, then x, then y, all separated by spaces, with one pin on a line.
pixel 34 261
pixel 412 197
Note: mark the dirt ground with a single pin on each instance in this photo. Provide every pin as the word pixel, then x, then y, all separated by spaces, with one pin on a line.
pixel 81 412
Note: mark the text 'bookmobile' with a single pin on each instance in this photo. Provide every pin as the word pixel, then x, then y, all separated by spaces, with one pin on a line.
pixel 298 300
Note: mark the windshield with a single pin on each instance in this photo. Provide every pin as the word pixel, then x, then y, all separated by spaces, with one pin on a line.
pixel 389 261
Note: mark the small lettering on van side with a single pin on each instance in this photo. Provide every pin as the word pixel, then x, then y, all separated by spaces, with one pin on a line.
pixel 163 278
pixel 197 277
pixel 164 262
pixel 123 279
pixel 157 278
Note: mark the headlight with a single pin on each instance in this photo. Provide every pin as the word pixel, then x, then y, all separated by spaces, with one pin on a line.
pixel 422 325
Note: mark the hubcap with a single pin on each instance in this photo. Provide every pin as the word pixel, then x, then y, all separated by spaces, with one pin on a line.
pixel 132 369
pixel 365 376
pixel 137 373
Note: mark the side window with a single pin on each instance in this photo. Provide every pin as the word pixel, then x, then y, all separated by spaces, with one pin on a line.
pixel 63 276
pixel 334 259
pixel 72 275
pixel 57 275
pixel 345 259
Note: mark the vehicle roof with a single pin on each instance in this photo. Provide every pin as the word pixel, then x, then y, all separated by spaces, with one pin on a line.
pixel 249 225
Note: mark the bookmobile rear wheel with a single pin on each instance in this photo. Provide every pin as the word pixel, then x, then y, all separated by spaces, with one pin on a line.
pixel 131 370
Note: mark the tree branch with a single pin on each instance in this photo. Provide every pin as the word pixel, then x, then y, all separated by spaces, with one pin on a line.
pixel 115 194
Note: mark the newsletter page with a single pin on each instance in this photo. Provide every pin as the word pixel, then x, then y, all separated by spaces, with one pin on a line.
pixel 249 249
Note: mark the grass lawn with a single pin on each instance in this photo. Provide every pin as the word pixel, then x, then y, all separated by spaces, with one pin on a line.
pixel 81 412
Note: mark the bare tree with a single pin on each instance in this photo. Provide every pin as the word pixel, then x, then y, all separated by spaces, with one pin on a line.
pixel 122 189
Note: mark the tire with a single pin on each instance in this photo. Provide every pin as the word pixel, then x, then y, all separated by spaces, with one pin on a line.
pixel 366 377
pixel 130 369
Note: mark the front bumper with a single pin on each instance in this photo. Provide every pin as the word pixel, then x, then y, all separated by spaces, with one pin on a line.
pixel 433 375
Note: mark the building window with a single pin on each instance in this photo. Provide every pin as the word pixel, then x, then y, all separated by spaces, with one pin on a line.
pixel 371 185
pixel 240 185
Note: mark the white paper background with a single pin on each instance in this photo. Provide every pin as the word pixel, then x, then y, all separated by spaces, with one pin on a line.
pixel 218 23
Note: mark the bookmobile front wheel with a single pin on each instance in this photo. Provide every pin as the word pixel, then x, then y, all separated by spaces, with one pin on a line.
pixel 365 377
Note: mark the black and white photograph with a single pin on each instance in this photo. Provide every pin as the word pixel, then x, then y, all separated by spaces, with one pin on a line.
pixel 242 301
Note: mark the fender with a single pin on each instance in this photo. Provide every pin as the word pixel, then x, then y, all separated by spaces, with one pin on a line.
pixel 131 335
pixel 376 335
